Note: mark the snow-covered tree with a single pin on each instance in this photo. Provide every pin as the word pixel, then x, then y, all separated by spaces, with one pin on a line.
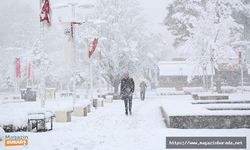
pixel 119 35
pixel 125 45
pixel 180 18
pixel 206 28
pixel 243 17
pixel 18 34
pixel 148 54
pixel 187 18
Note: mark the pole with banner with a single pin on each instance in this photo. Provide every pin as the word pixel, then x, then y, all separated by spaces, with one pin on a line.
pixel 212 69
pixel 18 72
pixel 28 74
pixel 45 18
pixel 91 51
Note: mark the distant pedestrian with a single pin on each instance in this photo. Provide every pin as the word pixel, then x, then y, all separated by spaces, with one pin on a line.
pixel 143 87
pixel 127 90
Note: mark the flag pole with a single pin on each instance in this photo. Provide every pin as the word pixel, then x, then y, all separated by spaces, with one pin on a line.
pixel 73 51
pixel 18 73
pixel 91 51
pixel 27 72
pixel 42 84
pixel 91 78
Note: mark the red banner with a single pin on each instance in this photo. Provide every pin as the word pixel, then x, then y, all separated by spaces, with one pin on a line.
pixel 93 47
pixel 45 12
pixel 18 68
pixel 29 71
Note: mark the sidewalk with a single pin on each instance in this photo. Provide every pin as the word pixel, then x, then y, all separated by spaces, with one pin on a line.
pixel 109 128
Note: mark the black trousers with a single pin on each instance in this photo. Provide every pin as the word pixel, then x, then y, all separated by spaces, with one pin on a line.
pixel 128 103
pixel 142 93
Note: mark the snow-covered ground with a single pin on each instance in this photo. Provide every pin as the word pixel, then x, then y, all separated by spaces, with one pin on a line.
pixel 16 112
pixel 109 128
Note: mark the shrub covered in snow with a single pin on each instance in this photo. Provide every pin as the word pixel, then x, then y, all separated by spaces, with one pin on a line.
pixel 1 134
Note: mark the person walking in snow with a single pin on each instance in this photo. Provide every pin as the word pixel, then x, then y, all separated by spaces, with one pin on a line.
pixel 126 91
pixel 143 87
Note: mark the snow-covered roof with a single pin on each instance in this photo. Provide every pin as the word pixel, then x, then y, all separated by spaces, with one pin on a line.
pixel 181 68
pixel 229 60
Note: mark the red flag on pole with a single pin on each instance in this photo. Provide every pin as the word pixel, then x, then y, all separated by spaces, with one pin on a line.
pixel 93 47
pixel 45 12
pixel 18 68
pixel 29 71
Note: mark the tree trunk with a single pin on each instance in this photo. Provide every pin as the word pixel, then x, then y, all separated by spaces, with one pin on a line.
pixel 116 90
pixel 116 87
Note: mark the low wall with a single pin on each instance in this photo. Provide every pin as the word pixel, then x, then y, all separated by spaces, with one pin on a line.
pixel 206 121
pixel 210 97
pixel 209 122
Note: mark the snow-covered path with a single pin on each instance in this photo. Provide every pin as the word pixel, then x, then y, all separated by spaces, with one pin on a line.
pixel 107 128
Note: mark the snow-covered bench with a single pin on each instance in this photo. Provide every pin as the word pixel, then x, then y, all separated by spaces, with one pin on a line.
pixel 171 91
pixel 63 115
pixel 66 94
pixel 82 108
pixel 80 111
pixel 89 108
pixel 11 99
pixel 108 99
pixel 98 102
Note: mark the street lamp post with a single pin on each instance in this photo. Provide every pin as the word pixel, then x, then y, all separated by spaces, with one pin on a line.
pixel 212 69
pixel 72 23
pixel 241 62
pixel 42 70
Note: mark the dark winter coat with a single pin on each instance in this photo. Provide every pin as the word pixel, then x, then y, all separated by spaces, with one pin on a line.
pixel 143 86
pixel 127 87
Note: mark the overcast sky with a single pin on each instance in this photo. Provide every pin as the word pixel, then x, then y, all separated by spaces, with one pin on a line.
pixel 155 12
